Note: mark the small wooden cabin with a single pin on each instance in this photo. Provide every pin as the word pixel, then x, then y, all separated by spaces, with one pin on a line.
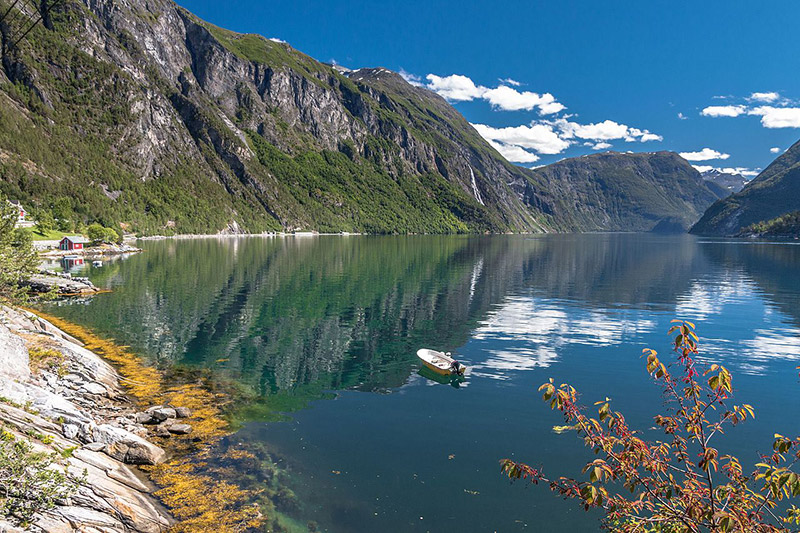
pixel 73 242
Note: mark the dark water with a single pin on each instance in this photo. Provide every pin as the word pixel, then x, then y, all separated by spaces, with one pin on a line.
pixel 325 329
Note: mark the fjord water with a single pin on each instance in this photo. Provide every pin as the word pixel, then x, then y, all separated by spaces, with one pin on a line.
pixel 324 331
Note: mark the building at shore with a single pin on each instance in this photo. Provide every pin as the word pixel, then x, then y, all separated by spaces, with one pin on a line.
pixel 73 242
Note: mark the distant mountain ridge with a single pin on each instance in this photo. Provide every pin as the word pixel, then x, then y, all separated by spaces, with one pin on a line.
pixel 139 113
pixel 730 181
pixel 771 194
pixel 615 191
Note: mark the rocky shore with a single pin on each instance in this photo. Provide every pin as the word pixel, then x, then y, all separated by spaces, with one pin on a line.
pixel 65 400
pixel 63 283
pixel 48 249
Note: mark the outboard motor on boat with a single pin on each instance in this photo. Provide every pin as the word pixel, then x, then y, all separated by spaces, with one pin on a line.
pixel 455 367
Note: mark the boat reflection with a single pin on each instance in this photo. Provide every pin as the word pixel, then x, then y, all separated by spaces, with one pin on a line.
pixel 454 380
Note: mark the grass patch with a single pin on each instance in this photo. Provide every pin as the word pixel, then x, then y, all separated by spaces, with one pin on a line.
pixel 49 235
pixel 46 358
pixel 259 49
pixel 66 453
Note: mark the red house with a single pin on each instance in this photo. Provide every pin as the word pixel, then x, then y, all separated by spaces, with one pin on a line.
pixel 22 212
pixel 72 242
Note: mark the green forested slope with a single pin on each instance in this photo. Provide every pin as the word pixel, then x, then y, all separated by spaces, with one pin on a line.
pixel 628 192
pixel 771 194
pixel 147 116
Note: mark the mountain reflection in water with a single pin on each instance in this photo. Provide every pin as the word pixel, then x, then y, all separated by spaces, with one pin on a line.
pixel 295 321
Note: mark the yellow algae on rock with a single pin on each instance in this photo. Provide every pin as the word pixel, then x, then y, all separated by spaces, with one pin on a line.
pixel 200 502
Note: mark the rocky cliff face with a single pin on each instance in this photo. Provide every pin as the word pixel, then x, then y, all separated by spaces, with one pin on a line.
pixel 149 116
pixel 627 192
pixel 137 112
pixel 774 192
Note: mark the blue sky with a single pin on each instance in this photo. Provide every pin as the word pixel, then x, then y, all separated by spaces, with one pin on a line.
pixel 647 70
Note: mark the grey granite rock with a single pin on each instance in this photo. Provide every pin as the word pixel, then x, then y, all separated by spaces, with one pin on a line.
pixel 113 499
pixel 145 418
pixel 128 447
pixel 160 413
pixel 70 431
pixel 14 363
pixel 180 429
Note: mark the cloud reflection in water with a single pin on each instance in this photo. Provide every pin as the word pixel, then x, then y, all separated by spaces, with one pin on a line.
pixel 528 333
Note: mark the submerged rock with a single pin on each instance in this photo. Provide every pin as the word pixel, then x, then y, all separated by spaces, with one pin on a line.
pixel 180 429
pixel 145 418
pixel 160 413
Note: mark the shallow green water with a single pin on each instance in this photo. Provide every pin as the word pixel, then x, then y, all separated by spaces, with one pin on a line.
pixel 325 329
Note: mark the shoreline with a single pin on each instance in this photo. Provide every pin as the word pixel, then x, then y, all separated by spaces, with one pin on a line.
pixel 93 252
pixel 104 404
pixel 272 235
pixel 62 399
pixel 282 235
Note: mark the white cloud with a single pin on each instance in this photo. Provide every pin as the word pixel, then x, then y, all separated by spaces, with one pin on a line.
pixel 681 116
pixel 527 333
pixel 780 112
pixel 777 117
pixel 455 87
pixel 458 88
pixel 774 149
pixel 539 137
pixel 509 99
pixel 515 154
pixel 276 40
pixel 517 143
pixel 647 137
pixel 601 131
pixel 608 130
pixel 413 79
pixel 764 97
pixel 706 154
pixel 744 171
pixel 554 136
pixel 723 111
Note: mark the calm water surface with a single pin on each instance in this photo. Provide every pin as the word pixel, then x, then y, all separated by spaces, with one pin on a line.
pixel 325 329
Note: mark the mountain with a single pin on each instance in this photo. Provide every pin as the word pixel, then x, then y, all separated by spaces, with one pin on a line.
pixel 774 192
pixel 138 113
pixel 614 191
pixel 730 182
